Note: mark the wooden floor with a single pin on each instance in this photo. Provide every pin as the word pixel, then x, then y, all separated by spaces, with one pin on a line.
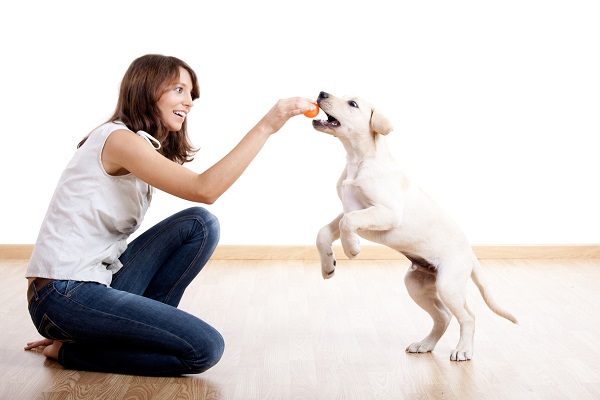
pixel 291 335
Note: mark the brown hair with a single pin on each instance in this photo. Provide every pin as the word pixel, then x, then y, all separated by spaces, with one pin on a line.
pixel 140 89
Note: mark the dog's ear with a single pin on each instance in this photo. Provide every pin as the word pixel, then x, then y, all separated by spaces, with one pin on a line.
pixel 380 124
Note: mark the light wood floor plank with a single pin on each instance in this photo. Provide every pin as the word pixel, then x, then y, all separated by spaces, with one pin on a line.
pixel 291 335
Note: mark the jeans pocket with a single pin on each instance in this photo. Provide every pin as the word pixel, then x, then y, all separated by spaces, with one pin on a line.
pixel 48 329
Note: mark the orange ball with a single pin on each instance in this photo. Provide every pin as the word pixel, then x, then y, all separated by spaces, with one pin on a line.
pixel 312 113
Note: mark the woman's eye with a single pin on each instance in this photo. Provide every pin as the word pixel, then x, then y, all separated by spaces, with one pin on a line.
pixel 353 104
pixel 179 89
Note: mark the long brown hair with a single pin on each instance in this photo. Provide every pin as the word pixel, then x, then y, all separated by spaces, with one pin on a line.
pixel 141 87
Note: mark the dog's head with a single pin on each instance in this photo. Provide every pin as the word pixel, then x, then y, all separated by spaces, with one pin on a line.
pixel 350 116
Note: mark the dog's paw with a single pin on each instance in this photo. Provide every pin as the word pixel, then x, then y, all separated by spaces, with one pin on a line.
pixel 351 246
pixel 458 355
pixel 421 347
pixel 328 264
pixel 327 274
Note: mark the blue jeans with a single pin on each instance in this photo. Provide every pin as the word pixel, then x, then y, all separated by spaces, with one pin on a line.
pixel 134 326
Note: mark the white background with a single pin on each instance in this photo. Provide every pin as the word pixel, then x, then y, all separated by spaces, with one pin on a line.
pixel 495 105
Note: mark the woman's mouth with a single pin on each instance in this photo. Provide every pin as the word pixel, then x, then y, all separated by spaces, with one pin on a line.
pixel 180 114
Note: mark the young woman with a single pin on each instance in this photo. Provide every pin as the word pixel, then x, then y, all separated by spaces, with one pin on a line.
pixel 103 304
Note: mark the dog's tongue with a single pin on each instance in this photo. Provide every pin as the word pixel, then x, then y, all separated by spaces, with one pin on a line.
pixel 332 121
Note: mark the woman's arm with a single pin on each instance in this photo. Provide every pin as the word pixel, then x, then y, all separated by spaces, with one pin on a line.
pixel 125 152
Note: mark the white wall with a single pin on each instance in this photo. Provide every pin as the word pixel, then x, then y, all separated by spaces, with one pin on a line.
pixel 496 105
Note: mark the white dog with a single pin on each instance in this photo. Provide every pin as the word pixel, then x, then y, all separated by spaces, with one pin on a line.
pixel 381 205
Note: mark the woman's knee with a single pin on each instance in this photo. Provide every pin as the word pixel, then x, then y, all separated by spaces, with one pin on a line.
pixel 206 220
pixel 209 355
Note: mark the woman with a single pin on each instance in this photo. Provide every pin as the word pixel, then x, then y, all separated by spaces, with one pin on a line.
pixel 103 304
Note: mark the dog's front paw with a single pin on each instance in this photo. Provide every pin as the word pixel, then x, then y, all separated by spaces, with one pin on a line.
pixel 328 264
pixel 351 246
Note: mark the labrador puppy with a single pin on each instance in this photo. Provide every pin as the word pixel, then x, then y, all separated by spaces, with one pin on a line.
pixel 381 205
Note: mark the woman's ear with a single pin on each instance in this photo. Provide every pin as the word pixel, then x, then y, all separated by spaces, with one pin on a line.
pixel 380 124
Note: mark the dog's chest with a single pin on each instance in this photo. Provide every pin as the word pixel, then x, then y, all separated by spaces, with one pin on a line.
pixel 352 193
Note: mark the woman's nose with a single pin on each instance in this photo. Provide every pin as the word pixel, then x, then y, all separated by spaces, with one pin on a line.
pixel 189 101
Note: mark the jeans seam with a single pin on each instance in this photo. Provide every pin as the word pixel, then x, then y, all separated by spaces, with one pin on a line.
pixel 189 348
pixel 157 234
pixel 162 331
pixel 196 256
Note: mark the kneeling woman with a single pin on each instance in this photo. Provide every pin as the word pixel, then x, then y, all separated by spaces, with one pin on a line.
pixel 107 305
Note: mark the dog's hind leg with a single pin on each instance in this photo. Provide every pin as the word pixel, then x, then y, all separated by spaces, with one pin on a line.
pixel 421 285
pixel 451 287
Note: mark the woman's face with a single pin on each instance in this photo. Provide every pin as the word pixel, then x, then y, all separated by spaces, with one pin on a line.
pixel 176 101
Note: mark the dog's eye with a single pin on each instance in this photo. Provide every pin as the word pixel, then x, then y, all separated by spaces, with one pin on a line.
pixel 353 104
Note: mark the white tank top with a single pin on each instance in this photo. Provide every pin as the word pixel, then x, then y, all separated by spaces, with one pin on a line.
pixel 90 216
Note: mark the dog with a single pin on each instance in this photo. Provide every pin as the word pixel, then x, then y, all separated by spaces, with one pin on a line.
pixel 381 205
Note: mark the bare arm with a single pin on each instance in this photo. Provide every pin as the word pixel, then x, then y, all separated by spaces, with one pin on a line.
pixel 124 151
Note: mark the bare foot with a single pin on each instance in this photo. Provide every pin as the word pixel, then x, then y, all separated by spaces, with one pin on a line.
pixel 51 347
pixel 38 343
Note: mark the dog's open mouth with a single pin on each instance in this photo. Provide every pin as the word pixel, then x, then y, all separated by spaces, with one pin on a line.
pixel 330 122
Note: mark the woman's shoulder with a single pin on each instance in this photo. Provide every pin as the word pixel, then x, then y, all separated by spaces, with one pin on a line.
pixel 111 126
pixel 102 132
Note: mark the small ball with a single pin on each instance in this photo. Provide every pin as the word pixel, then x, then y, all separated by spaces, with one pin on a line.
pixel 312 113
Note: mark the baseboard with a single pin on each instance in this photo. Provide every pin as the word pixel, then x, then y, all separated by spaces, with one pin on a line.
pixel 368 252
pixel 15 251
pixel 377 252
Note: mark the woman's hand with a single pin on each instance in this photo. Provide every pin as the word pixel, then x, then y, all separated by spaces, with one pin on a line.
pixel 282 111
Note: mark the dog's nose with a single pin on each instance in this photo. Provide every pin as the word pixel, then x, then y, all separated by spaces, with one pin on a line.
pixel 323 95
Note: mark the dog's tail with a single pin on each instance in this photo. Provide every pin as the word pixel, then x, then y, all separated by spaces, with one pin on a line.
pixel 479 281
